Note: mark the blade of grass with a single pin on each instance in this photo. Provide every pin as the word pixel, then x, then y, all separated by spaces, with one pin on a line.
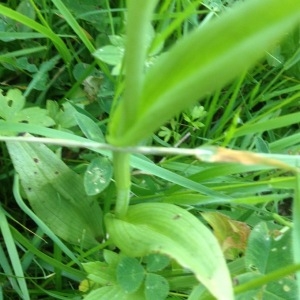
pixel 74 24
pixel 267 125
pixel 13 255
pixel 296 229
pixel 285 143
pixel 4 263
pixel 39 14
pixel 53 263
pixel 80 32
pixel 11 36
pixel 23 52
pixel 57 41
pixel 175 24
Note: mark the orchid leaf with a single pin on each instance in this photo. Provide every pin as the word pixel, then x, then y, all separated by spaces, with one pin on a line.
pixel 56 194
pixel 167 229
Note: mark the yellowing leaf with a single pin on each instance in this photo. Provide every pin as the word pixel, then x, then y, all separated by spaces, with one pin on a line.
pixel 220 154
pixel 232 235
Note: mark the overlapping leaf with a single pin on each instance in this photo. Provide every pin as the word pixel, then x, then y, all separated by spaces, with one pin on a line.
pixel 56 194
pixel 168 229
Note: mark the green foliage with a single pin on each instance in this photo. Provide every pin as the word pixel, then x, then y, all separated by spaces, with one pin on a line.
pixel 164 98
pixel 130 274
pixel 172 73
pixel 126 277
pixel 269 249
pixel 12 109
pixel 162 228
pixel 57 195
pixel 97 176
pixel 178 129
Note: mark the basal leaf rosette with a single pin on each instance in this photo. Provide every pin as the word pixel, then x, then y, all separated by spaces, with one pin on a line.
pixel 168 229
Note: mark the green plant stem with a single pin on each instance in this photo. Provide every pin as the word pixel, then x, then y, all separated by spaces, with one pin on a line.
pixel 111 21
pixel 122 180
pixel 273 276
pixel 139 17
pixel 282 220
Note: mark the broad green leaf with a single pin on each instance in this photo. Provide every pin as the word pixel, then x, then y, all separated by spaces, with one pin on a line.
pixel 220 49
pixel 12 109
pixel 283 289
pixel 98 175
pixel 113 293
pixel 66 116
pixel 231 234
pixel 56 194
pixel 130 274
pixel 26 9
pixel 156 262
pixel 112 258
pixel 100 273
pixel 268 249
pixel 168 229
pixel 11 104
pixel 250 294
pixel 34 115
pixel 90 129
pixel 156 287
pixel 109 54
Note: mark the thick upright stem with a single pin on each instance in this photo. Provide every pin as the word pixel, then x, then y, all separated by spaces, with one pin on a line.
pixel 139 18
pixel 137 43
pixel 122 181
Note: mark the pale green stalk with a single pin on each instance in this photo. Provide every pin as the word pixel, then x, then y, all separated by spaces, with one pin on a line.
pixel 263 280
pixel 13 255
pixel 138 22
pixel 139 17
pixel 296 229
pixel 122 180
